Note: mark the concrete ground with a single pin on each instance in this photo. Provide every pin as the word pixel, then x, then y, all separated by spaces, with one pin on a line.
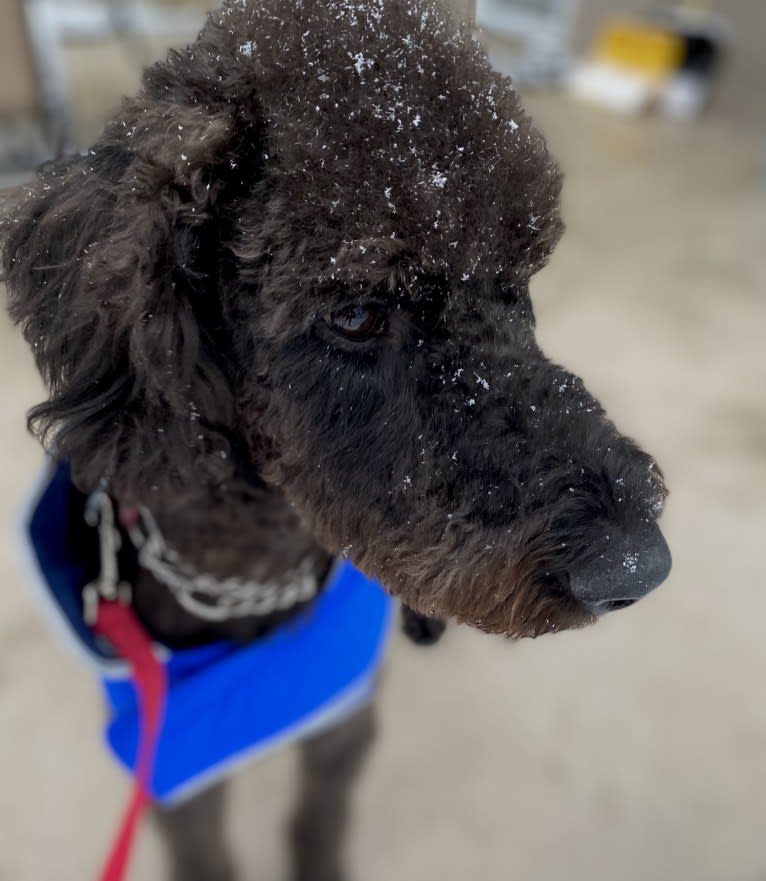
pixel 635 750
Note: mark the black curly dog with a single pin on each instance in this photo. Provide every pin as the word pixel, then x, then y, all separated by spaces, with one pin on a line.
pixel 283 303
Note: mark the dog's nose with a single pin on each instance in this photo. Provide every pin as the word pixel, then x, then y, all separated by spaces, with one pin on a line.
pixel 631 566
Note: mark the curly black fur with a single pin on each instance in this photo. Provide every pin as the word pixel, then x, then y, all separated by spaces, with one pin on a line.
pixel 178 285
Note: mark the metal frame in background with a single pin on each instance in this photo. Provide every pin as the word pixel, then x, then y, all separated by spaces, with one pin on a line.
pixel 51 24
pixel 543 29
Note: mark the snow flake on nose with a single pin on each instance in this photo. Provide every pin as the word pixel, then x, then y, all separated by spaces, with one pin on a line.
pixel 630 562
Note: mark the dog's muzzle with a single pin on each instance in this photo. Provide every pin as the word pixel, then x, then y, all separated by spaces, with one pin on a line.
pixel 631 566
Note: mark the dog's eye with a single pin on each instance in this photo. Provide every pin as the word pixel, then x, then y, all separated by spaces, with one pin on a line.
pixel 358 323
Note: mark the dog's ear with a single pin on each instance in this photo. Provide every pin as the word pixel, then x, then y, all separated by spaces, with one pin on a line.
pixel 113 262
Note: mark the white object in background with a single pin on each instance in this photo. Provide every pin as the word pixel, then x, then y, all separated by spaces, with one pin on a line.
pixel 622 91
pixel 685 97
pixel 542 28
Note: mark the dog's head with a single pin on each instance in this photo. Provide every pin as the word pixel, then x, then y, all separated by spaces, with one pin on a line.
pixel 303 252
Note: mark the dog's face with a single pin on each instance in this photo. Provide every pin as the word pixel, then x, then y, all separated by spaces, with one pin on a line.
pixel 309 248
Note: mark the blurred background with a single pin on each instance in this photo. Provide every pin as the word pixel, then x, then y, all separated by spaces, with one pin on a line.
pixel 635 750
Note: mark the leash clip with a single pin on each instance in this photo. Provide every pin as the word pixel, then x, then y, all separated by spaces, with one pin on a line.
pixel 99 513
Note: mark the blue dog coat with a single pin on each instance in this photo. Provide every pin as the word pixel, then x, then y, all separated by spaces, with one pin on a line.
pixel 226 703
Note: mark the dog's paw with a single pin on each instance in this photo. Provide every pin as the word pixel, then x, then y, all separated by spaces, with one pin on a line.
pixel 421 629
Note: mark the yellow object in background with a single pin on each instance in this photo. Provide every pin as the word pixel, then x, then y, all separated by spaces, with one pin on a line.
pixel 638 47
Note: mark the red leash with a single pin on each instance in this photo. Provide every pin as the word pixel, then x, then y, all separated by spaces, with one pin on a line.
pixel 119 624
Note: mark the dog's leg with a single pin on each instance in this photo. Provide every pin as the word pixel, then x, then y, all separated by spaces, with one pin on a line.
pixel 194 832
pixel 330 763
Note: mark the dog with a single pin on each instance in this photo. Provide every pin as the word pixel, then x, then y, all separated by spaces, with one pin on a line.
pixel 283 305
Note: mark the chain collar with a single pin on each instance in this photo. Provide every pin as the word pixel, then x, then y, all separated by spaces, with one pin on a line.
pixel 199 593
pixel 216 599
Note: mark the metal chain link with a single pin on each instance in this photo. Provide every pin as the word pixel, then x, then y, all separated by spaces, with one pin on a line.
pixel 210 598
pixel 199 593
